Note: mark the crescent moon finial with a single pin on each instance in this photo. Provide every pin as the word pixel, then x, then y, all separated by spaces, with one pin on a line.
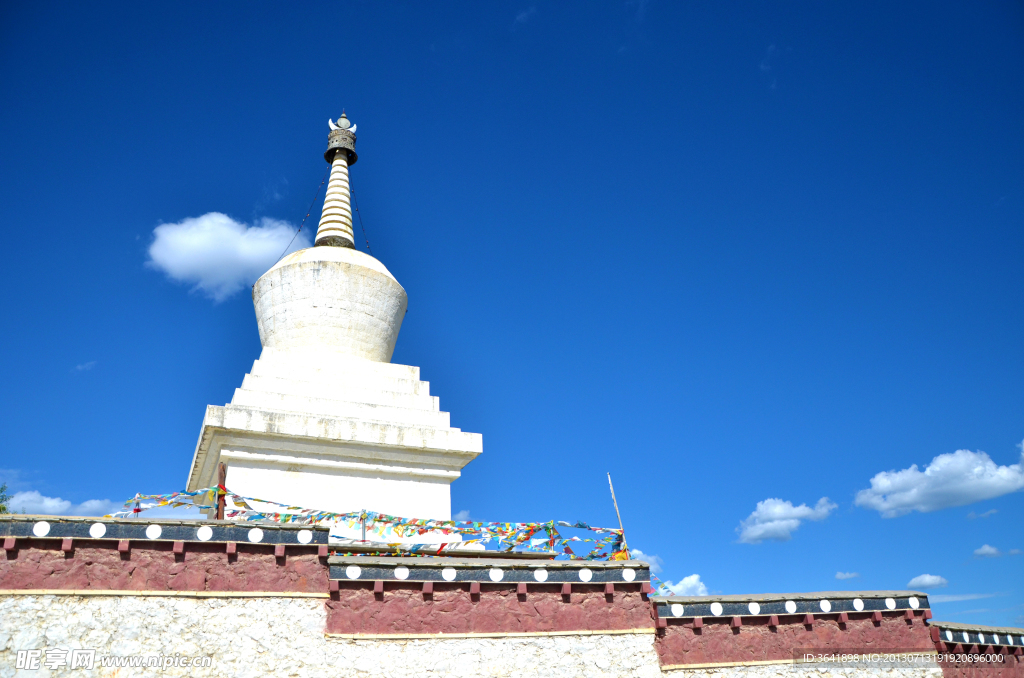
pixel 330 123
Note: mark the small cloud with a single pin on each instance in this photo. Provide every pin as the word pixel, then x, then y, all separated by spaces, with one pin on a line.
pixel 777 519
pixel 272 193
pixel 687 586
pixel 956 479
pixel 461 516
pixel 958 598
pixel 986 551
pixel 524 16
pixel 927 581
pixel 847 575
pixel 641 11
pixel 656 563
pixel 33 502
pixel 991 512
pixel 766 62
pixel 85 366
pixel 218 255
pixel 1014 552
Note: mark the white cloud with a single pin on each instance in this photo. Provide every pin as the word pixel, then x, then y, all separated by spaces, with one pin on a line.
pixel 34 502
pixel 1014 552
pixel 85 366
pixel 927 581
pixel 461 516
pixel 991 512
pixel 777 519
pixel 847 575
pixel 525 15
pixel 986 551
pixel 687 586
pixel 656 563
pixel 956 479
pixel 218 255
pixel 958 598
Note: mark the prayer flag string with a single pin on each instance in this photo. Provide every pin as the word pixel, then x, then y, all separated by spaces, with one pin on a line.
pixel 607 543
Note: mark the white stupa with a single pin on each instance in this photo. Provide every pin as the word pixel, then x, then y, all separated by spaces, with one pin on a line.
pixel 324 420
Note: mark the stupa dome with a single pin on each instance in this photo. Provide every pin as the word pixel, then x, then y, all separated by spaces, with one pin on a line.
pixel 330 301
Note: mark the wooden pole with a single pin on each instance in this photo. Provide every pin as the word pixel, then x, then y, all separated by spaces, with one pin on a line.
pixel 222 477
pixel 617 515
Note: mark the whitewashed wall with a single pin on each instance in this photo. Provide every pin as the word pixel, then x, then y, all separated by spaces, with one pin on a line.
pixel 250 637
pixel 284 637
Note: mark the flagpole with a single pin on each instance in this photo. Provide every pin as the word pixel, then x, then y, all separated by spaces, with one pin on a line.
pixel 617 515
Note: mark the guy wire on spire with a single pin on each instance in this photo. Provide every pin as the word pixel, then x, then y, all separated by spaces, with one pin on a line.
pixel 308 212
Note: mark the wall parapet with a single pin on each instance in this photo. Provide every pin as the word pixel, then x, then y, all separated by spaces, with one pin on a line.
pixel 775 606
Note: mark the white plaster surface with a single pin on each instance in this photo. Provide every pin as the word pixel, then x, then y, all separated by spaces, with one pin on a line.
pixel 334 299
pixel 817 670
pixel 284 637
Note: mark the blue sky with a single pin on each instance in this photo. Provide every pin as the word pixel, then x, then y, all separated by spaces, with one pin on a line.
pixel 745 257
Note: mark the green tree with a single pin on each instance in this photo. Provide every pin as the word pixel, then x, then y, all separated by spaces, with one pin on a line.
pixel 4 499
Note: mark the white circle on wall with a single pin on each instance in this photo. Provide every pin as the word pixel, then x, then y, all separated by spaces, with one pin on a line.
pixel 402 572
pixel 858 604
pixel 890 604
pixel 949 635
pixel 677 610
pixel 448 574
pixel 967 638
pixel 97 530
pixel 754 608
pixel 304 536
pixel 41 529
pixel 353 571
pixel 825 605
pixel 628 573
pixel 154 532
pixel 204 533
pixel 540 575
pixel 716 608
pixel 914 602
pixel 255 535
pixel 790 607
pixel 586 575
pixel 496 574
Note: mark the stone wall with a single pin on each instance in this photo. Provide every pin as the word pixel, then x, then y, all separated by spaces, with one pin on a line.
pixel 806 671
pixel 278 607
pixel 201 567
pixel 285 637
pixel 451 608
pixel 755 641
pixel 1010 666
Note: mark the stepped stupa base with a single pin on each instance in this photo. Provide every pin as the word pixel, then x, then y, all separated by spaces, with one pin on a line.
pixel 342 435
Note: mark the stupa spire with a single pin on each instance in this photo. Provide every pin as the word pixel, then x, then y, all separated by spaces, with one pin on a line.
pixel 335 228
